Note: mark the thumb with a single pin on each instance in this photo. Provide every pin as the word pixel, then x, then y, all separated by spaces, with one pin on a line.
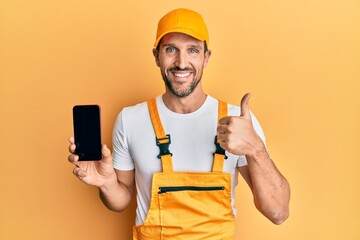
pixel 245 110
pixel 106 153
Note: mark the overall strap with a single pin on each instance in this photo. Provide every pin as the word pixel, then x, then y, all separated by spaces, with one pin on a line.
pixel 219 154
pixel 162 140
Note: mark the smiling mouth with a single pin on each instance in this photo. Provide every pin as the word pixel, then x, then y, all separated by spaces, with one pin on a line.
pixel 182 74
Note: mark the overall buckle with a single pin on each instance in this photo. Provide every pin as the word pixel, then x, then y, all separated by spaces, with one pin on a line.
pixel 219 149
pixel 163 146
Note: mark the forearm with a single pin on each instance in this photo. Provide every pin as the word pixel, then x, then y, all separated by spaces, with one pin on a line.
pixel 270 189
pixel 115 195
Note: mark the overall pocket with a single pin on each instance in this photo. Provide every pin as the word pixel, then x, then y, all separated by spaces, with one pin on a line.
pixel 201 212
pixel 189 188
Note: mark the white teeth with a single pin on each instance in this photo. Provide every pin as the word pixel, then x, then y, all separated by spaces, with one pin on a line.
pixel 181 75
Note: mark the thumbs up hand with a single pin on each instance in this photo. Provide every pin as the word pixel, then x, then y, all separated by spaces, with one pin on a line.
pixel 237 135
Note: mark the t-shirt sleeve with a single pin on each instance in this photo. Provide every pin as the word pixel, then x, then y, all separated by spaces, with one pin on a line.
pixel 121 155
pixel 242 159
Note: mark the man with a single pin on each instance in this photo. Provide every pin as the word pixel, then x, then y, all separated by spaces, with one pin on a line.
pixel 183 149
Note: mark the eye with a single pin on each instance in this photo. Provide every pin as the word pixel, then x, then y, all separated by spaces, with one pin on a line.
pixel 194 50
pixel 170 49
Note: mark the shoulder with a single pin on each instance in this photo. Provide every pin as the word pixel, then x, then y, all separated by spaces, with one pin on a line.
pixel 135 110
pixel 132 116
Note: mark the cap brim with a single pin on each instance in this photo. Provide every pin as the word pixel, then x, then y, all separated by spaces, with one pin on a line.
pixel 184 31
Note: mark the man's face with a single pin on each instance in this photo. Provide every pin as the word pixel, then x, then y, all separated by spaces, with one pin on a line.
pixel 181 59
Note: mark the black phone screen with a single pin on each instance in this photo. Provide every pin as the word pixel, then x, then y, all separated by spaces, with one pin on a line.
pixel 87 132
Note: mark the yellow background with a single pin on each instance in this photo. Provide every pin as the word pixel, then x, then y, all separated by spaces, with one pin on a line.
pixel 300 59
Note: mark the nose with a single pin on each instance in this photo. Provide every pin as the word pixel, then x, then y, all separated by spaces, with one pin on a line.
pixel 181 60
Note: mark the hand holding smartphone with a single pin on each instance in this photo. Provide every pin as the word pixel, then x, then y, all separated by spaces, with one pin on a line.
pixel 87 132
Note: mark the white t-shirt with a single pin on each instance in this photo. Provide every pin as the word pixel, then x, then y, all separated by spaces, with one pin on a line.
pixel 192 145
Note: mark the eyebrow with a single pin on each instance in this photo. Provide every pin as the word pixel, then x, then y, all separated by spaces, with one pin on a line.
pixel 190 46
pixel 197 46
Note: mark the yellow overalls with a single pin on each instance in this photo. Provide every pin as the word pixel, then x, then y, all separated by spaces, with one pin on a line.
pixel 187 205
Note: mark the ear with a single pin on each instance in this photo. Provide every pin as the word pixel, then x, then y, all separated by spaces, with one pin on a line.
pixel 207 57
pixel 156 56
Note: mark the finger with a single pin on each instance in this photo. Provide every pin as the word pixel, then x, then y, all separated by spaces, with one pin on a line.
pixel 79 173
pixel 245 110
pixel 221 129
pixel 221 138
pixel 106 153
pixel 225 120
pixel 72 148
pixel 73 158
pixel 72 140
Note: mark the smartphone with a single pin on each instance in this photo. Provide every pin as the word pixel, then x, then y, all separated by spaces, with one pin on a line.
pixel 87 132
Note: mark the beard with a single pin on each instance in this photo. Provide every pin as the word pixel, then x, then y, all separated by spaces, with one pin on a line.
pixel 185 92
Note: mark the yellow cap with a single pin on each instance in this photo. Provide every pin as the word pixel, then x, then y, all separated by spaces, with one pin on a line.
pixel 182 21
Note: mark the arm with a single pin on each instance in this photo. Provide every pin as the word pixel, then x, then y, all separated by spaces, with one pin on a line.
pixel 270 189
pixel 115 186
pixel 117 195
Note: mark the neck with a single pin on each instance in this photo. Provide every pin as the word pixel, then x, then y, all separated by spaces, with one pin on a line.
pixel 186 104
